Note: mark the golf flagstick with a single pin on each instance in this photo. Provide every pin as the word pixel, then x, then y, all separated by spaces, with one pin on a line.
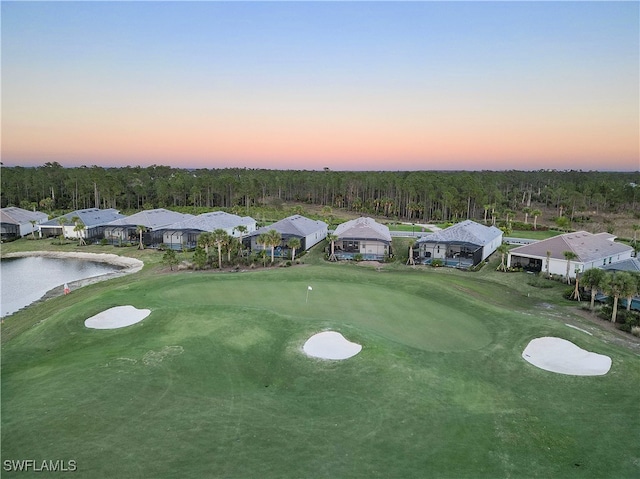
pixel 309 288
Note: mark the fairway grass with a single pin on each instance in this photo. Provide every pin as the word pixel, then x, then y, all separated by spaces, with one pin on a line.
pixel 214 382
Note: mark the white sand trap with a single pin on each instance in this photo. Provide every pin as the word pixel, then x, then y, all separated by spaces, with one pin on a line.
pixel 117 317
pixel 562 356
pixel 330 345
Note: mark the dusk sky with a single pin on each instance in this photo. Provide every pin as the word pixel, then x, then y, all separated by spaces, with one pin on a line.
pixel 307 85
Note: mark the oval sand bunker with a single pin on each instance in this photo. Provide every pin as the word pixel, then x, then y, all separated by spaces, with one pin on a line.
pixel 117 317
pixel 561 356
pixel 330 345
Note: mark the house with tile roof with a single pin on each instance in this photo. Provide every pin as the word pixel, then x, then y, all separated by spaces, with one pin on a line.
pixel 464 244
pixel 155 221
pixel 94 220
pixel 184 234
pixel 591 251
pixel 16 222
pixel 362 236
pixel 309 232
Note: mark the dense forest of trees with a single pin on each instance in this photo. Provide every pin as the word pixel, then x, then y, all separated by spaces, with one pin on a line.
pixel 413 195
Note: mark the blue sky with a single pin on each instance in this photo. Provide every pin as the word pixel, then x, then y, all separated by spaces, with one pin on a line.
pixel 351 85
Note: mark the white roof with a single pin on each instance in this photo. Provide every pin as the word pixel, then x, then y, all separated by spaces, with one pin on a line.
pixel 363 228
pixel 152 219
pixel 19 216
pixel 213 221
pixel 464 232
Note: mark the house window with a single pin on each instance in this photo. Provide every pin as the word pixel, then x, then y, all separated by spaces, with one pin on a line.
pixel 604 262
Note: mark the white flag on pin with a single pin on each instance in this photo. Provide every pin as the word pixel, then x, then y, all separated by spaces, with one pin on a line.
pixel 310 288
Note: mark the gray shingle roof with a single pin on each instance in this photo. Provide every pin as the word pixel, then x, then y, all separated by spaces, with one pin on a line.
pixel 152 219
pixel 19 216
pixel 464 232
pixel 212 221
pixel 588 247
pixel 363 228
pixel 631 264
pixel 295 225
pixel 90 217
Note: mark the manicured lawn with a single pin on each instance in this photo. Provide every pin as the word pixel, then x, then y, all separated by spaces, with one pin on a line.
pixel 214 383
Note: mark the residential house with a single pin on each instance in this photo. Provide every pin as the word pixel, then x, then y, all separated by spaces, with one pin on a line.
pixel 94 220
pixel 364 237
pixel 125 230
pixel 17 222
pixel 184 234
pixel 590 250
pixel 309 232
pixel 463 244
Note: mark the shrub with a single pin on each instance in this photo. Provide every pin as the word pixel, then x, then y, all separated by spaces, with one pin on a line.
pixel 635 330
pixel 104 242
pixel 540 282
pixel 437 262
pixel 357 257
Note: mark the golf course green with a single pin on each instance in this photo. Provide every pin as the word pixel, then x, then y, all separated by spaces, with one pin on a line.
pixel 214 382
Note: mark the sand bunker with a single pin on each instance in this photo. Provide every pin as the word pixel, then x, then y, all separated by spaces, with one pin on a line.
pixel 562 356
pixel 117 317
pixel 330 345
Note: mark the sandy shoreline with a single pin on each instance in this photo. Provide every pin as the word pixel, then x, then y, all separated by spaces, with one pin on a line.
pixel 127 266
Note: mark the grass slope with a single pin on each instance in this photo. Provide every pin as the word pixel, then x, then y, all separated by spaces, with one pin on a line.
pixel 214 384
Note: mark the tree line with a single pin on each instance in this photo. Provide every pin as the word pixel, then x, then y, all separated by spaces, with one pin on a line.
pixel 411 195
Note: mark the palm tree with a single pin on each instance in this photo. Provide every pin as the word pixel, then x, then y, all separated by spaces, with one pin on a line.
pixel 548 264
pixel 633 288
pixel 79 229
pixel 593 279
pixel 33 228
pixel 617 286
pixel 263 239
pixel 140 229
pixel 503 249
pixel 569 255
pixel 275 238
pixel 62 221
pixel 294 243
pixel 535 214
pixel 205 239
pixel 242 229
pixel 526 210
pixel 635 229
pixel 410 259
pixel 576 291
pixel 486 212
pixel 219 238
pixel 332 238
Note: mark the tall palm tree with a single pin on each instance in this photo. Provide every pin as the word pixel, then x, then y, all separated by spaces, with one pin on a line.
pixel 535 214
pixel 219 237
pixel 140 229
pixel 526 210
pixel 263 239
pixel 33 228
pixel 332 238
pixel 242 229
pixel 294 243
pixel 635 229
pixel 62 221
pixel 548 264
pixel 410 260
pixel 569 255
pixel 79 228
pixel 617 286
pixel 593 279
pixel 275 238
pixel 503 249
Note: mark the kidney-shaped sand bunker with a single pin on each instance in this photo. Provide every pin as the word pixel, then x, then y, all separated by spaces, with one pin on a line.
pixel 561 356
pixel 330 345
pixel 118 317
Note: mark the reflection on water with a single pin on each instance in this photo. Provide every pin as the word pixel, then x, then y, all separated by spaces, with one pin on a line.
pixel 25 280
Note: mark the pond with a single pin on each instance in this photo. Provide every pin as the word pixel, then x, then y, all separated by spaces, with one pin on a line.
pixel 25 280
